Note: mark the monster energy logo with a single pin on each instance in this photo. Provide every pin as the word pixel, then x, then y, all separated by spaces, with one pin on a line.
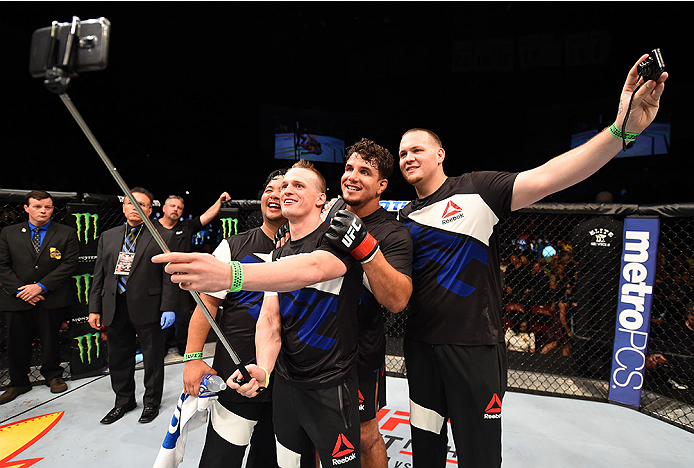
pixel 86 340
pixel 227 224
pixel 83 291
pixel 85 220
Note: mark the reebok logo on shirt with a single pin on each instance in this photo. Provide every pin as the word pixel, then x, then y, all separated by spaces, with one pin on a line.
pixel 343 451
pixel 451 213
pixel 361 401
pixel 493 410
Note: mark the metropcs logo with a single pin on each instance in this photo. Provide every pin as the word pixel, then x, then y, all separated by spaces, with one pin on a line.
pixel 83 221
pixel 343 451
pixel 635 298
pixel 451 213
pixel 493 410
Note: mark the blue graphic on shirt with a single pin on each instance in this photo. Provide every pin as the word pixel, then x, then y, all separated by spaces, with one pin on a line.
pixel 450 251
pixel 319 308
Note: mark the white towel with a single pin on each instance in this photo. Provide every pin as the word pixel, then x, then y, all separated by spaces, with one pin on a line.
pixel 190 413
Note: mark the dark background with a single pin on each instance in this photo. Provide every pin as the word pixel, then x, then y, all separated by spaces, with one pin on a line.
pixel 186 101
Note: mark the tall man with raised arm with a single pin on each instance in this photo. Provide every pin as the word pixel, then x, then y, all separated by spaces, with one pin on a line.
pixel 37 259
pixel 235 420
pixel 134 299
pixel 454 345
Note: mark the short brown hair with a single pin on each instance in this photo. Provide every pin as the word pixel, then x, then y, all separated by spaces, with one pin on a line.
pixel 37 195
pixel 304 164
pixel 374 154
pixel 431 134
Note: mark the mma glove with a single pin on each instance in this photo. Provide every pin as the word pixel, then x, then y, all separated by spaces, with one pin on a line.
pixel 281 233
pixel 348 232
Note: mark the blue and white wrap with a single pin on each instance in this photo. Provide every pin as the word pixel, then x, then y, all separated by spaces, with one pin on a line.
pixel 191 412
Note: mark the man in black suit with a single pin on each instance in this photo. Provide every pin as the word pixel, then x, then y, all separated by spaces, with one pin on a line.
pixel 134 299
pixel 37 259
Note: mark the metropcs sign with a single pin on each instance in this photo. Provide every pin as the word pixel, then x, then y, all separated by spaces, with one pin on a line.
pixel 635 298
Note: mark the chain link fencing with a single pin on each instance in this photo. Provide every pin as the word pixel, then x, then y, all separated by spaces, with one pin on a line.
pixel 560 275
pixel 561 272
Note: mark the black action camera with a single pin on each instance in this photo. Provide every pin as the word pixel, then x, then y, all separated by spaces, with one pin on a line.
pixel 652 67
pixel 74 47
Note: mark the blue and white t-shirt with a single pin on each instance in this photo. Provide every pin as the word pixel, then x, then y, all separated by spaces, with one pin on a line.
pixel 319 322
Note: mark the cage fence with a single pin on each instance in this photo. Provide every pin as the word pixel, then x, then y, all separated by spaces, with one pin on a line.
pixel 560 279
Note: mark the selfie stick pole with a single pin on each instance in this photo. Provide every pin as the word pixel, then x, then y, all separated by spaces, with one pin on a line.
pixel 148 223
pixel 57 80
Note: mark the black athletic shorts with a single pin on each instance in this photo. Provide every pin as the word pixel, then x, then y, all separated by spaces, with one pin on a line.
pixel 369 401
pixel 326 418
pixel 465 384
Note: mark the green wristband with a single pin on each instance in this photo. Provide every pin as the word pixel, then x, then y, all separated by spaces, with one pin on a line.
pixel 192 356
pixel 267 377
pixel 236 277
pixel 614 130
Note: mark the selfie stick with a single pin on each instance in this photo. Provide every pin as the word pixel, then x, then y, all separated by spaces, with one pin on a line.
pixel 58 85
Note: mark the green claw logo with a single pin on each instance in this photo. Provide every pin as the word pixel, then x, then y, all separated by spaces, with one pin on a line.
pixel 86 340
pixel 85 220
pixel 227 224
pixel 83 291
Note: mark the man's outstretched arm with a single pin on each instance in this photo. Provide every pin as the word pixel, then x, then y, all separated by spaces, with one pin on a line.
pixel 579 163
pixel 203 272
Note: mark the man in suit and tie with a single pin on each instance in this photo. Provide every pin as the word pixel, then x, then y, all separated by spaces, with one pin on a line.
pixel 37 259
pixel 134 300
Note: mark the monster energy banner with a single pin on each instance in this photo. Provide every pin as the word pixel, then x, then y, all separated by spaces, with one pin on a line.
pixel 87 349
pixel 228 222
pixel 85 218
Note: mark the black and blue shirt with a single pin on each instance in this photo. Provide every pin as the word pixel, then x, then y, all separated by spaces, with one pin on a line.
pixel 456 296
pixel 319 322
pixel 240 310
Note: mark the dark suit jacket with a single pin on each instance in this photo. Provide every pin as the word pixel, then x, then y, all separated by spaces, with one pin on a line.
pixel 149 289
pixel 52 266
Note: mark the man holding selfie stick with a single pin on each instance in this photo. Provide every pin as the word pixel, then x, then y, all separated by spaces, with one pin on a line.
pixel 322 285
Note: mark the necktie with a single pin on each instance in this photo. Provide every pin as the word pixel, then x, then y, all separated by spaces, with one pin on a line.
pixel 128 247
pixel 36 240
